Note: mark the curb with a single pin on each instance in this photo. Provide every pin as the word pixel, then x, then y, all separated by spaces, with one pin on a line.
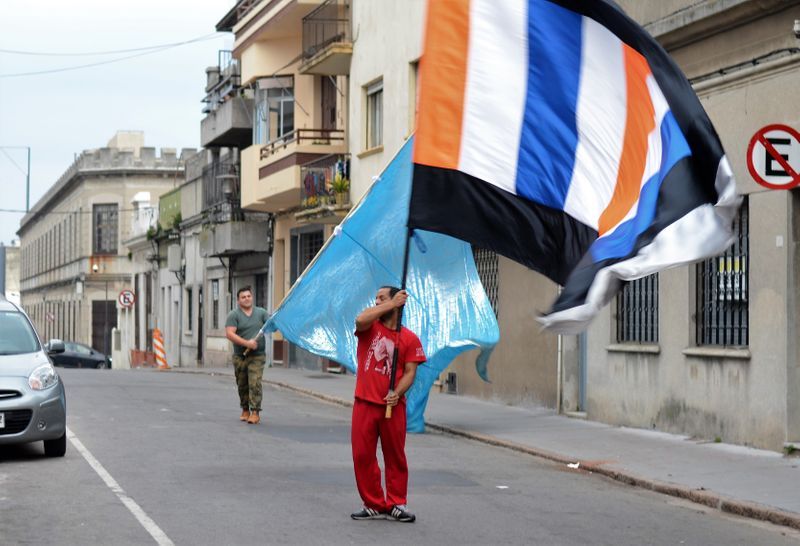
pixel 700 496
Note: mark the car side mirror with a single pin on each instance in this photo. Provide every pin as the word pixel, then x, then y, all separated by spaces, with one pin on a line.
pixel 55 346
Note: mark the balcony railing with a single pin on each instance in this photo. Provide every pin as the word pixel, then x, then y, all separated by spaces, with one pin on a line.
pixel 220 183
pixel 222 81
pixel 328 24
pixel 316 179
pixel 301 136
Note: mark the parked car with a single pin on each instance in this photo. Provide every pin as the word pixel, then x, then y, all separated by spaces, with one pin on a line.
pixel 33 404
pixel 78 355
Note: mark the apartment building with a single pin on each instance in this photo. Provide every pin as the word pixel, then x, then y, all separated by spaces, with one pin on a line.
pixel 73 264
pixel 294 57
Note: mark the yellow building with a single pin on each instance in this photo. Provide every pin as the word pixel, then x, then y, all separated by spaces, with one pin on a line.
pixel 295 56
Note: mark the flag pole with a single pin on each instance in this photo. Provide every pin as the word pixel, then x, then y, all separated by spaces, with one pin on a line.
pixel 399 325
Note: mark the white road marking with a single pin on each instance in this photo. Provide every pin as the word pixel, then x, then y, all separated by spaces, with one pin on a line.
pixel 150 526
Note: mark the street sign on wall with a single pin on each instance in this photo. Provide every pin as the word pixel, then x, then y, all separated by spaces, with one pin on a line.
pixel 126 298
pixel 773 157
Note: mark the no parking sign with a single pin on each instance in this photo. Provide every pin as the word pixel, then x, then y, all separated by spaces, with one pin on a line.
pixel 773 157
pixel 126 299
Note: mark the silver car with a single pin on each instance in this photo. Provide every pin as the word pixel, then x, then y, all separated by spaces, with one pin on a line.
pixel 33 405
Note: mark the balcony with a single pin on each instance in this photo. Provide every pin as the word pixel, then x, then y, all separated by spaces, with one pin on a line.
pixel 228 120
pixel 327 40
pixel 220 184
pixel 234 238
pixel 319 202
pixel 271 175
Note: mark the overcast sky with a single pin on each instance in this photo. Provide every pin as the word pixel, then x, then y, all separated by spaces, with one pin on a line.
pixel 60 114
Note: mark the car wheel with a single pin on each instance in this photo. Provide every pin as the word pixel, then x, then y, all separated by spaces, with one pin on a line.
pixel 57 447
pixel 102 365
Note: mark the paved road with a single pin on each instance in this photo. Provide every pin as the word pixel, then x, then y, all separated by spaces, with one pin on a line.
pixel 162 457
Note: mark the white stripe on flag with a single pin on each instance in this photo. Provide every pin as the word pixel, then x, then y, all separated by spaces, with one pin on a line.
pixel 601 115
pixel 490 135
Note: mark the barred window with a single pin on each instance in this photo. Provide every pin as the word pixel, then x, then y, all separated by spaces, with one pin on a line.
pixel 487 264
pixel 637 311
pixel 105 229
pixel 722 290
pixel 310 244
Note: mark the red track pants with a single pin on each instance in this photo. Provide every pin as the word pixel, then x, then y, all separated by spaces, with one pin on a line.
pixel 369 424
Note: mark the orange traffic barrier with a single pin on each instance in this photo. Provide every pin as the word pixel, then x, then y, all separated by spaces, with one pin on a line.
pixel 158 348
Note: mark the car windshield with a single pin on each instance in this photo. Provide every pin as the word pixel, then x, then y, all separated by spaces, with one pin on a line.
pixel 16 334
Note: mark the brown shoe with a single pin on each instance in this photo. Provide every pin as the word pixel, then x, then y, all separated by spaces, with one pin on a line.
pixel 245 415
pixel 254 419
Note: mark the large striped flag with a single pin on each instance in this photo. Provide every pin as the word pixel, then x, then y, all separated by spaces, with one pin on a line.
pixel 561 135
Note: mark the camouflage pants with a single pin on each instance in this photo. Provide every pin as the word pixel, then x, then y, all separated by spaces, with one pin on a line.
pixel 249 371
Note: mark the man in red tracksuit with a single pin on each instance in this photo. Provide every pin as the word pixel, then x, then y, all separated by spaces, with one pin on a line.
pixel 377 336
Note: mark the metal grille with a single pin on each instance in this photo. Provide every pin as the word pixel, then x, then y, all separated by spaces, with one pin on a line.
pixel 722 290
pixel 220 183
pixel 16 421
pixel 310 244
pixel 637 311
pixel 5 394
pixel 328 24
pixel 105 229
pixel 487 264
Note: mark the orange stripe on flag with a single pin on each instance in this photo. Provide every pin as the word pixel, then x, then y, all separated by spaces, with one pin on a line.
pixel 442 81
pixel 639 123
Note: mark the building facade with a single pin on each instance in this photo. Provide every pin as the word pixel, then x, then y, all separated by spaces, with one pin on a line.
pixel 72 260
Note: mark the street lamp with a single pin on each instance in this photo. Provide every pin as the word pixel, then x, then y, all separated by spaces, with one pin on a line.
pixel 95 269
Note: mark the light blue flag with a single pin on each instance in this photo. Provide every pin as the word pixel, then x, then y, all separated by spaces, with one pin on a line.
pixel 447 306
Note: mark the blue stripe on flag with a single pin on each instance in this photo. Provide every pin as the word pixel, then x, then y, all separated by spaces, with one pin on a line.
pixel 622 240
pixel 549 129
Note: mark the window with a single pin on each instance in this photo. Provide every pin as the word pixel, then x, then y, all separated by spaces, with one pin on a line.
pixel 722 291
pixel 274 109
pixel 16 334
pixel 189 308
pixel 487 264
pixel 104 228
pixel 215 304
pixel 637 311
pixel 306 243
pixel 375 114
pixel 261 289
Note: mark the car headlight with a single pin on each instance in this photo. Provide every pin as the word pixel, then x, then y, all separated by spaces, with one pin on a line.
pixel 43 378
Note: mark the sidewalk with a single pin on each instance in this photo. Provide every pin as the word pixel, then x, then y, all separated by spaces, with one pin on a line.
pixel 748 482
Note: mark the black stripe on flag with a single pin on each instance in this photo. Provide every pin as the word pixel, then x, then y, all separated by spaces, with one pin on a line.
pixel 546 240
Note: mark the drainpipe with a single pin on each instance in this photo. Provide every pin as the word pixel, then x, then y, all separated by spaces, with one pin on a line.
pixel 270 280
pixel 560 364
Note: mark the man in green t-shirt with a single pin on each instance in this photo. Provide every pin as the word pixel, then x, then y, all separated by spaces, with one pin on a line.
pixel 242 328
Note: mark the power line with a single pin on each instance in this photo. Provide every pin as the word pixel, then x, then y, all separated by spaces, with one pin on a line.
pixel 109 52
pixel 48 213
pixel 11 159
pixel 118 59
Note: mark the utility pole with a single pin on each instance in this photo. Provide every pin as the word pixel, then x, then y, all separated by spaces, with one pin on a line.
pixel 28 183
